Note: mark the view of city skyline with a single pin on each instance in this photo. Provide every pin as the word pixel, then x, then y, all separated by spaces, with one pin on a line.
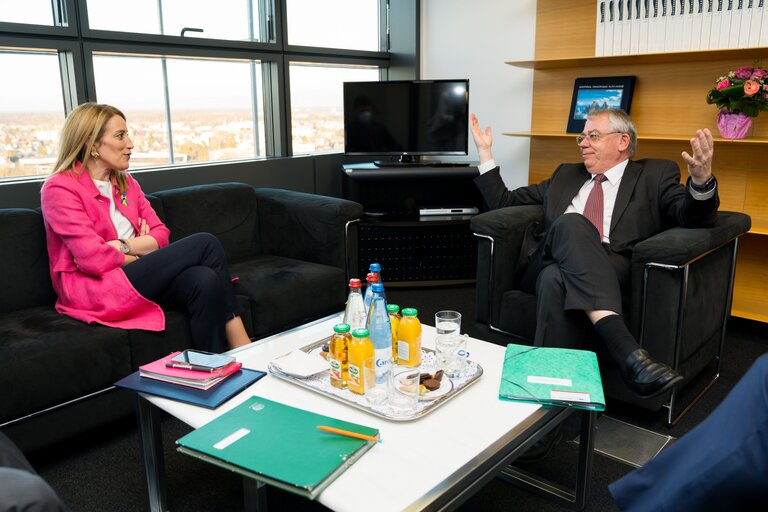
pixel 28 141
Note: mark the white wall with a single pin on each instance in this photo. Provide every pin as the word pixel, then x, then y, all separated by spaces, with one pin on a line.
pixel 472 39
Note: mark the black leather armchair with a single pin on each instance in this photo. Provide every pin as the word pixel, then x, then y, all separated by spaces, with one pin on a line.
pixel 678 304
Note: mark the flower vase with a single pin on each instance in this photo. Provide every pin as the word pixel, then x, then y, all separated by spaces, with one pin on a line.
pixel 733 125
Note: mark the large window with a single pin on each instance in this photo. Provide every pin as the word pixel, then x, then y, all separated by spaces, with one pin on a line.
pixel 317 110
pixel 199 81
pixel 352 24
pixel 220 19
pixel 31 112
pixel 185 110
pixel 26 11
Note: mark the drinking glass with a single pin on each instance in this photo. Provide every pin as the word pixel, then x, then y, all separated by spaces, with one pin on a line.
pixel 450 346
pixel 375 392
pixel 403 390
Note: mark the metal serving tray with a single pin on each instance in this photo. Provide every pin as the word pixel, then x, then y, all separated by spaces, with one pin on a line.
pixel 321 383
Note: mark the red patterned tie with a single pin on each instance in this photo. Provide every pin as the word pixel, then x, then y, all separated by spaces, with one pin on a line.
pixel 593 210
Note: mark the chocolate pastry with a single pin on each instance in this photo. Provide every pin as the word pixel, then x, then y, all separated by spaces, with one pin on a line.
pixel 431 384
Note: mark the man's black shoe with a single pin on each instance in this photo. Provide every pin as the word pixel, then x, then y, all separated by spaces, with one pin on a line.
pixel 647 377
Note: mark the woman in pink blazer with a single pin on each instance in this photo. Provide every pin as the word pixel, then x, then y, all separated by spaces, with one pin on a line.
pixel 110 259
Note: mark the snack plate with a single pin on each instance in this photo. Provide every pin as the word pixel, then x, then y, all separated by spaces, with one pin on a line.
pixel 321 383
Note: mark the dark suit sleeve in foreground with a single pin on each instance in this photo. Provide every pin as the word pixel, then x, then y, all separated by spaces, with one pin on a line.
pixel 722 464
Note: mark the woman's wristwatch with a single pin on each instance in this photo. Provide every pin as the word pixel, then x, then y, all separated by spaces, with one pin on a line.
pixel 124 246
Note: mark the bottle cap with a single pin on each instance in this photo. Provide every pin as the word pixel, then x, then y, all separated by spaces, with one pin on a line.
pixel 393 308
pixel 410 311
pixel 355 283
pixel 378 287
pixel 372 278
pixel 341 328
pixel 375 267
pixel 360 333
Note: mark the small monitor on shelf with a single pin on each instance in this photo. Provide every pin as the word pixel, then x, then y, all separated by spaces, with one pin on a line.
pixel 406 120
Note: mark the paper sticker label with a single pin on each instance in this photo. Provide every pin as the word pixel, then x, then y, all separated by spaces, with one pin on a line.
pixel 533 379
pixel 231 438
pixel 571 396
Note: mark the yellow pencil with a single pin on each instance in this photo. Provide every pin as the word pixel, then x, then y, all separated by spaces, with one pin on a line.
pixel 334 430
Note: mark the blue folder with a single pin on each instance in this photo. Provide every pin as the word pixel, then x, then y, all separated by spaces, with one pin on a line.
pixel 208 398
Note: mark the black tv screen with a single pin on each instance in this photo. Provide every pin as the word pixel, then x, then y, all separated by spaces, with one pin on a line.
pixel 423 117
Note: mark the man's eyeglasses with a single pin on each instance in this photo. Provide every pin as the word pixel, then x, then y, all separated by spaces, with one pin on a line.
pixel 593 137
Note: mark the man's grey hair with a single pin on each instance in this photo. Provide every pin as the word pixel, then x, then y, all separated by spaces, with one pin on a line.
pixel 620 122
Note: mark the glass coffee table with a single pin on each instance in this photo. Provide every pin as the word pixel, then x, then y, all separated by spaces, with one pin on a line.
pixel 451 453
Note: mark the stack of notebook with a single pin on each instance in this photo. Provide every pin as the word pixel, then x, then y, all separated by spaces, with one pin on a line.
pixel 159 370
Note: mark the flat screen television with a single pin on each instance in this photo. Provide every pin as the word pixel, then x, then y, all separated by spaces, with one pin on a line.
pixel 406 119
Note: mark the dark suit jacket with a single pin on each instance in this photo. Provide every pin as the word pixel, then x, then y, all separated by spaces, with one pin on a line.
pixel 650 199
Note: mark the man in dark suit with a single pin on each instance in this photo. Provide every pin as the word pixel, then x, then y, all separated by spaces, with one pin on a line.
pixel 722 464
pixel 594 214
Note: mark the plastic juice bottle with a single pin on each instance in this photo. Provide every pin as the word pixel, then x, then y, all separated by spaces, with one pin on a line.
pixel 360 349
pixel 409 338
pixel 394 319
pixel 338 355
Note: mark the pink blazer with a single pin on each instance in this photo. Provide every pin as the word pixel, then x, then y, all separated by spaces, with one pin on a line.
pixel 85 270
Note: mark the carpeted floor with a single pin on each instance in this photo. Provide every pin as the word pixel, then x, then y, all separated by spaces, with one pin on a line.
pixel 102 471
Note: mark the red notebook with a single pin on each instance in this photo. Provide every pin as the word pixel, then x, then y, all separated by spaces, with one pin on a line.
pixel 193 378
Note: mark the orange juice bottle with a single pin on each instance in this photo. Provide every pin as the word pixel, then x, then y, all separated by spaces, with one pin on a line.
pixel 337 353
pixel 409 338
pixel 360 349
pixel 394 319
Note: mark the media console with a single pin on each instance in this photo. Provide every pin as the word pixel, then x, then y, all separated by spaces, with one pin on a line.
pixel 414 249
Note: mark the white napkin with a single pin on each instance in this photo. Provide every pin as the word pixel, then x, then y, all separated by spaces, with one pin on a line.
pixel 300 364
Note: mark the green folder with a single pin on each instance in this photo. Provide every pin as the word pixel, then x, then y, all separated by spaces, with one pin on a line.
pixel 278 444
pixel 552 376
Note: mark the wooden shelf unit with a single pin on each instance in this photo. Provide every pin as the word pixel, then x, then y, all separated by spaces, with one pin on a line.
pixel 668 106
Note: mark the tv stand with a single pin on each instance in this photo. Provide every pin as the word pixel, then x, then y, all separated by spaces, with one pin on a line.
pixel 414 249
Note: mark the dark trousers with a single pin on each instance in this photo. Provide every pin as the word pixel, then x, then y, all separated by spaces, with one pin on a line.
pixel 191 274
pixel 722 464
pixel 21 489
pixel 570 272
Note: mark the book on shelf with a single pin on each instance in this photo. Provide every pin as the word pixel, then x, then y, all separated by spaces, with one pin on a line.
pixel 600 28
pixel 279 445
pixel 763 41
pixel 610 27
pixel 159 370
pixel 645 11
pixel 626 26
pixel 634 40
pixel 716 24
pixel 754 16
pixel 725 24
pixel 697 16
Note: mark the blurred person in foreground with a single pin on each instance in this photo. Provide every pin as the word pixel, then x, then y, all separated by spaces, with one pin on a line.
pixel 721 464
pixel 21 489
pixel 594 214
pixel 110 259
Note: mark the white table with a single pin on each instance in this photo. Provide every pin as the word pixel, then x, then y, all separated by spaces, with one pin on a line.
pixel 451 452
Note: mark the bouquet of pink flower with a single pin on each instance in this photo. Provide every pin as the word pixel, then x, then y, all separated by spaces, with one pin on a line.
pixel 743 90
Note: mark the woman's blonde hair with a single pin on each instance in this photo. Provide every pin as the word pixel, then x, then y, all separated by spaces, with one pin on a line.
pixel 84 127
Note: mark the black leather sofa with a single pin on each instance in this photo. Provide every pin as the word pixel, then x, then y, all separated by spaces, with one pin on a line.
pixel 288 249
